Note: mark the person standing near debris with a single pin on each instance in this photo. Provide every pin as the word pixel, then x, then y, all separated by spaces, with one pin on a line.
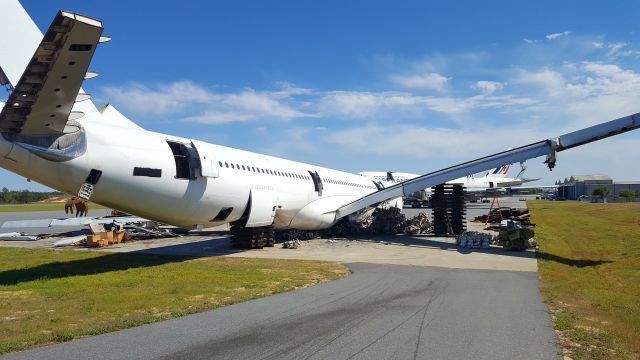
pixel 68 205
pixel 82 208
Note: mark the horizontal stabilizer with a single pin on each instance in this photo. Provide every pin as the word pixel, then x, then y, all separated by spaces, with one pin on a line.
pixel 43 98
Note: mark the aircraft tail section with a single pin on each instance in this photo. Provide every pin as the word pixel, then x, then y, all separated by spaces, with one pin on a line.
pixel 499 172
pixel 19 37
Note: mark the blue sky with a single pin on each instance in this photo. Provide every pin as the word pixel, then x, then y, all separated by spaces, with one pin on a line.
pixel 369 85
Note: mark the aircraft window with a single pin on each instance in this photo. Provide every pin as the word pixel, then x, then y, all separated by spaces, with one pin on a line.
pixel 220 162
pixel 226 164
pixel 253 169
pixel 243 167
pixel 237 166
pixel 232 166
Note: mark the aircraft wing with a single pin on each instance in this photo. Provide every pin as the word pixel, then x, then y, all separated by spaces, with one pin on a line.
pixel 515 183
pixel 42 100
pixel 72 221
pixel 547 147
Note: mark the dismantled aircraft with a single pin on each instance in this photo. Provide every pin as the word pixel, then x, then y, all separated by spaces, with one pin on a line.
pixel 53 133
pixel 496 178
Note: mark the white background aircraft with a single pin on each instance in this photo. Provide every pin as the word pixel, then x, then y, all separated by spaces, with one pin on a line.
pixel 494 179
pixel 53 133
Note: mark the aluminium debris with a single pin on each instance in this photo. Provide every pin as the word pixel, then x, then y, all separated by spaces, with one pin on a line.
pixel 474 240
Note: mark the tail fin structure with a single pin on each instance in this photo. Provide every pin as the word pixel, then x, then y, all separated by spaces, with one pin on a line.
pixel 19 37
pixel 500 172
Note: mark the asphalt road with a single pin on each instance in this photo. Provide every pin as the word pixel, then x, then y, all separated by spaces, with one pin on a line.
pixel 379 312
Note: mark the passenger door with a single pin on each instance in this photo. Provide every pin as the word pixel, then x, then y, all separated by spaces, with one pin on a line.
pixel 208 164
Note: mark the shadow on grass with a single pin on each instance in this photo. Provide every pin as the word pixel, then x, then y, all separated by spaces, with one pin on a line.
pixel 109 262
pixel 91 266
pixel 571 262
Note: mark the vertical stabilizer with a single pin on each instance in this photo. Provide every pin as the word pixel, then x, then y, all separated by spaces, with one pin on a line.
pixel 19 38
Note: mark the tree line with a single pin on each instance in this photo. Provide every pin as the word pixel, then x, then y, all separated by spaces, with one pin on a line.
pixel 604 191
pixel 24 196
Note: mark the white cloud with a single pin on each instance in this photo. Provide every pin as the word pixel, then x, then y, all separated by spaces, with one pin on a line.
pixel 432 81
pixel 157 100
pixel 583 93
pixel 430 142
pixel 488 87
pixel 205 106
pixel 557 35
pixel 550 80
pixel 368 105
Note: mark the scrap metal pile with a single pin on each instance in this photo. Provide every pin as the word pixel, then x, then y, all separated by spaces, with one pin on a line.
pixel 516 237
pixel 474 240
pixel 383 221
pixel 417 225
pixel 505 213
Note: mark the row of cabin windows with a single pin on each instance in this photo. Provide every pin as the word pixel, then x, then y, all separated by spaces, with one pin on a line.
pixel 346 183
pixel 263 171
pixel 289 175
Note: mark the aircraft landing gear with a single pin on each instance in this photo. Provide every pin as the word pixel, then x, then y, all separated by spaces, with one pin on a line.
pixel 252 238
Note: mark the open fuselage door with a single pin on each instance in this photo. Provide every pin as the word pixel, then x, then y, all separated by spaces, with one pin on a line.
pixel 317 182
pixel 263 204
pixel 206 154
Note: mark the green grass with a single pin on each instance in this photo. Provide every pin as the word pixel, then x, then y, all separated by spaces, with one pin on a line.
pixel 589 265
pixel 51 296
pixel 41 207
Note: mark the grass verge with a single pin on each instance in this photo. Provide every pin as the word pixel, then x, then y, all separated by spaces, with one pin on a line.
pixel 589 265
pixel 51 296
pixel 41 207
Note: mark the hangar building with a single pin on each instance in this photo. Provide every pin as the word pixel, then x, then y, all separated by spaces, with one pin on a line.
pixel 578 185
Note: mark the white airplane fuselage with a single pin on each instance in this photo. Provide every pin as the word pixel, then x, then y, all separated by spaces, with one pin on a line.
pixel 116 151
pixel 480 183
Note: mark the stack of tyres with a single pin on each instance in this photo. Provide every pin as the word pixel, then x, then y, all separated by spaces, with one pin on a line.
pixel 252 238
pixel 448 209
pixel 457 210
